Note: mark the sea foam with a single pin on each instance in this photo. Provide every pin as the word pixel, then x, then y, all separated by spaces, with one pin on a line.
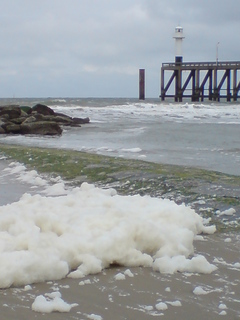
pixel 89 228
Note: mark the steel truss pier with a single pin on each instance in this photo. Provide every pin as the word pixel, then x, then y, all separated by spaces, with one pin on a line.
pixel 212 80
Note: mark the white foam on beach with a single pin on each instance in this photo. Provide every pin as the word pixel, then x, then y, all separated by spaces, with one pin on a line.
pixel 200 291
pixel 128 273
pixel 25 175
pixel 233 266
pixel 50 237
pixel 222 306
pixel 172 264
pixel 82 283
pixel 120 276
pixel 52 302
pixel 228 212
pixel 161 306
pixel 94 317
pixel 57 186
pixel 56 189
pixel 176 303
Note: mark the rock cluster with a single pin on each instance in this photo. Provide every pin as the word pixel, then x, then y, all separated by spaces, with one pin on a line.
pixel 39 119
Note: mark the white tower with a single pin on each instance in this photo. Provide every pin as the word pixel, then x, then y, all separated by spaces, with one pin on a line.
pixel 178 36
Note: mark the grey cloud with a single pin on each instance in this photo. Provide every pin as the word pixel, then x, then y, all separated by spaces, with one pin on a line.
pixel 57 46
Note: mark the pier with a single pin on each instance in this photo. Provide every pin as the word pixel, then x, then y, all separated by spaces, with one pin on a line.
pixel 199 80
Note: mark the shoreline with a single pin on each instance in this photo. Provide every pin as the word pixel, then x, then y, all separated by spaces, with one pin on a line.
pixel 102 296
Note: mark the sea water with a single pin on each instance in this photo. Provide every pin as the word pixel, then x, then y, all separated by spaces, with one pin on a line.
pixel 201 134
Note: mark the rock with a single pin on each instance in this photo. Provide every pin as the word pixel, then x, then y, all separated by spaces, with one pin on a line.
pixel 24 114
pixel 11 128
pixel 64 120
pixel 72 121
pixel 2 131
pixel 37 120
pixel 42 109
pixel 13 111
pixel 37 116
pixel 41 127
pixel 18 120
pixel 80 120
pixel 85 120
pixel 29 119
pixel 26 109
pixel 4 117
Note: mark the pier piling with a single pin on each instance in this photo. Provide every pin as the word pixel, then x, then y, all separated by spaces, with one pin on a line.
pixel 141 84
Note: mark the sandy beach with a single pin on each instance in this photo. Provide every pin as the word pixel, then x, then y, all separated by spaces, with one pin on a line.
pixel 134 293
pixel 101 296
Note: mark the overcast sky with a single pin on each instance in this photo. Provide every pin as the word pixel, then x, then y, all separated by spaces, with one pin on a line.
pixel 94 48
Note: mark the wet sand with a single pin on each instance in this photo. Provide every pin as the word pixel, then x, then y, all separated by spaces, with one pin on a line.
pixel 11 189
pixel 136 297
pixel 101 296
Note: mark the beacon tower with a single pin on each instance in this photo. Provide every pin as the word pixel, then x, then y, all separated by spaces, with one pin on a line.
pixel 178 36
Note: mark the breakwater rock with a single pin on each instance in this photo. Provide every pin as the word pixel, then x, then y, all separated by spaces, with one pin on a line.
pixel 40 119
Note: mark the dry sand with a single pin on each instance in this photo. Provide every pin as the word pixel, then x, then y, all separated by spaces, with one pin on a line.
pixel 101 296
